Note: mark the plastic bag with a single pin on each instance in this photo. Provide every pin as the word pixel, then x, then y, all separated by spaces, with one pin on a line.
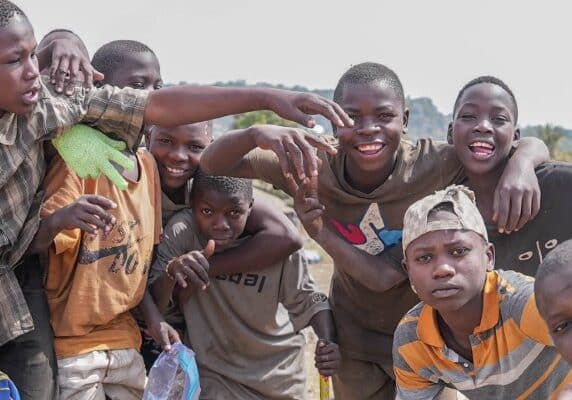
pixel 174 376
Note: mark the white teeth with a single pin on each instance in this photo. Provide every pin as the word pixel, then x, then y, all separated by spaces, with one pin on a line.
pixel 370 147
pixel 482 144
pixel 175 170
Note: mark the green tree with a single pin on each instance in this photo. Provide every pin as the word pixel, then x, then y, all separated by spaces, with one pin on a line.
pixel 551 135
pixel 265 117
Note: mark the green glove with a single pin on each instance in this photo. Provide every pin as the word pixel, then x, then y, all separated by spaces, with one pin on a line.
pixel 88 153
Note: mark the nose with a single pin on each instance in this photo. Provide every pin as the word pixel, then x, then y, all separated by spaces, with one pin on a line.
pixel 367 126
pixel 484 125
pixel 220 223
pixel 179 154
pixel 31 69
pixel 443 270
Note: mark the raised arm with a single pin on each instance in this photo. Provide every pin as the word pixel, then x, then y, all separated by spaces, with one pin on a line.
pixel 294 149
pixel 517 196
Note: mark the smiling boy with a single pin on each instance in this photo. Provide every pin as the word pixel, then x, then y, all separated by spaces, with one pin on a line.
pixel 476 330
pixel 368 177
pixel 485 132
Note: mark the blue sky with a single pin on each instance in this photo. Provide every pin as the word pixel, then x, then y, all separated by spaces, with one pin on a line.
pixel 434 46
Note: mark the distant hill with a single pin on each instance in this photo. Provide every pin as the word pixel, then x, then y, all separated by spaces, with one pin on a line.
pixel 425 119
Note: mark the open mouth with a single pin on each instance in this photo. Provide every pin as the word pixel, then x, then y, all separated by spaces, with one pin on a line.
pixel 482 150
pixel 370 149
pixel 31 96
pixel 177 172
pixel 443 293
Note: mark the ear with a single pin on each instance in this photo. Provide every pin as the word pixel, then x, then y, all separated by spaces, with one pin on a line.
pixel 405 120
pixel 450 133
pixel 404 265
pixel 490 251
pixel 517 134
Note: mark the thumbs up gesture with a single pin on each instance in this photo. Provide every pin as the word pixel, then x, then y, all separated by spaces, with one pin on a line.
pixel 192 268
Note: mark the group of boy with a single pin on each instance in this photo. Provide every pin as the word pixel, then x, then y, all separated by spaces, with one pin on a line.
pixel 477 330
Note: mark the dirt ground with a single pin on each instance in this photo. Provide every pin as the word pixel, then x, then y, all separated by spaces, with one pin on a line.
pixel 322 274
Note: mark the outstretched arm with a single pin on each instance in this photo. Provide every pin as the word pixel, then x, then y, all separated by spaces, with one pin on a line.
pixel 517 196
pixel 188 103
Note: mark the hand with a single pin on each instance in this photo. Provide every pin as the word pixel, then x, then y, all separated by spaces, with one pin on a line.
pixel 297 106
pixel 308 207
pixel 88 153
pixel 164 334
pixel 327 357
pixel 69 57
pixel 291 144
pixel 88 213
pixel 193 266
pixel 516 198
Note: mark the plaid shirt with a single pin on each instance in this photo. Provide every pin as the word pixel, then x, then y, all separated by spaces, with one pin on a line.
pixel 22 168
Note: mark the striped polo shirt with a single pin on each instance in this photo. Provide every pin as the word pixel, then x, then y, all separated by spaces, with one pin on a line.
pixel 513 355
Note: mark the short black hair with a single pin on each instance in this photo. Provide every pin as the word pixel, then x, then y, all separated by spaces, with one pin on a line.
pixel 558 259
pixel 110 57
pixel 493 81
pixel 9 10
pixel 367 73
pixel 222 184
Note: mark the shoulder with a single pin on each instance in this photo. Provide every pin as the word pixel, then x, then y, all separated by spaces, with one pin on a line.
pixel 180 225
pixel 406 331
pixel 554 173
pixel 515 290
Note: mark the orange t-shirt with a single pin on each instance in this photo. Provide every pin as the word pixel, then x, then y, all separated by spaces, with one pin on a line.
pixel 93 283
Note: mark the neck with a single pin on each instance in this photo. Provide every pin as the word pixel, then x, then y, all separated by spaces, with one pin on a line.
pixel 484 186
pixel 462 322
pixel 177 196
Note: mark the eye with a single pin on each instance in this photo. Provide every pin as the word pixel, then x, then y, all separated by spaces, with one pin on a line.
pixel 424 258
pixel 137 85
pixel 386 116
pixel 460 251
pixel 196 149
pixel 158 86
pixel 234 213
pixel 467 117
pixel 206 211
pixel 164 140
pixel 500 119
pixel 561 327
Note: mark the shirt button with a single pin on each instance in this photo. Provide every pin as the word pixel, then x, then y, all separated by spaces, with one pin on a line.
pixel 466 365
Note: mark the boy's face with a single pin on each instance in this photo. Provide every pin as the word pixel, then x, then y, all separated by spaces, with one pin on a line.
pixel 139 71
pixel 553 300
pixel 220 216
pixel 484 128
pixel 380 120
pixel 177 152
pixel 448 268
pixel 19 84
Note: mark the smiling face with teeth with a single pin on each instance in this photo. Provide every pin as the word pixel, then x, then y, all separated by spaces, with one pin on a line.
pixel 177 152
pixel 371 144
pixel 18 67
pixel 484 129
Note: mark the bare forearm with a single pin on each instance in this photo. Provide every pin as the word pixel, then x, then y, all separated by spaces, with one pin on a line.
pixel 377 273
pixel 189 103
pixel 149 310
pixel 531 150
pixel 162 291
pixel 323 325
pixel 225 155
pixel 47 231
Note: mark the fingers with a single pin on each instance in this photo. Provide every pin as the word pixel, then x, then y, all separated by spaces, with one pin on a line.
pixel 73 75
pixel 209 249
pixel 501 209
pixel 60 73
pixel 174 335
pixel 327 358
pixel 109 170
pixel 515 211
pixel 525 213
pixel 348 122
pixel 116 144
pixel 121 159
pixel 101 201
pixel 97 76
pixel 194 268
pixel 165 343
pixel 87 70
pixel 318 143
